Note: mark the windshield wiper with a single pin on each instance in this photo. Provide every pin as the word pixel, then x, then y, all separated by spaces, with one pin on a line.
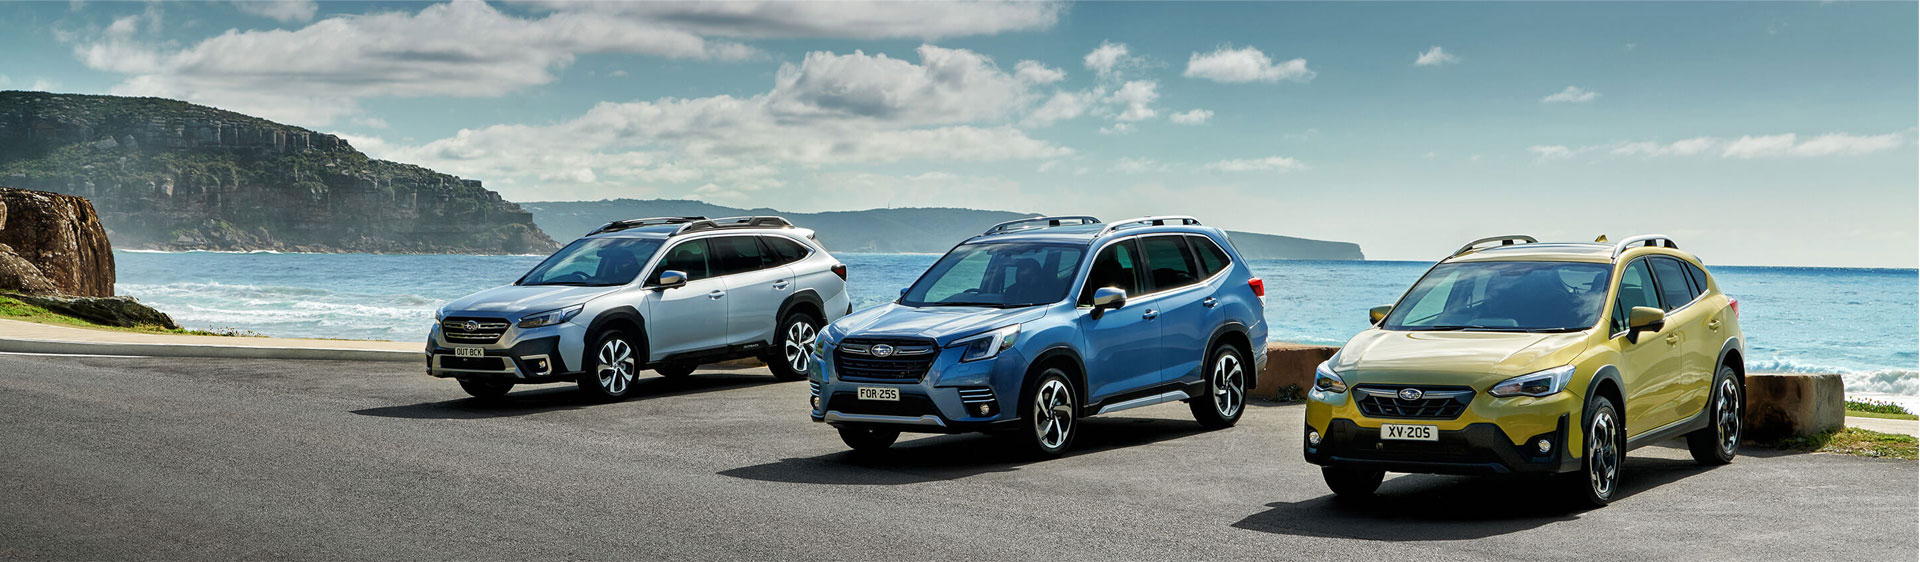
pixel 963 303
pixel 560 283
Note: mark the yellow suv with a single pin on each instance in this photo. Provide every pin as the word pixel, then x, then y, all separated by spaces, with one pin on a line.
pixel 1515 356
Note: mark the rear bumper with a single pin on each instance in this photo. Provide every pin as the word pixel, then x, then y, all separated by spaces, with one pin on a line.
pixel 1479 448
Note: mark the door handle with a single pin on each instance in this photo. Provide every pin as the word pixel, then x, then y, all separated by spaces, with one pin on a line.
pixel 1673 339
pixel 1210 302
pixel 1150 314
pixel 1713 325
pixel 781 284
pixel 716 294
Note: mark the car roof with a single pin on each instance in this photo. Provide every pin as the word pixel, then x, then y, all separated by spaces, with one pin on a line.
pixel 1591 252
pixel 663 231
pixel 1084 233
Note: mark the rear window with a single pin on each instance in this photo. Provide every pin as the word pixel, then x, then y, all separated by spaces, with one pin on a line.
pixel 1212 258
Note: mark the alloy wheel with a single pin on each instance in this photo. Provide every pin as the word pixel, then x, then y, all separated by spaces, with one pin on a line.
pixel 1603 452
pixel 616 366
pixel 800 337
pixel 1229 385
pixel 1053 413
pixel 1727 402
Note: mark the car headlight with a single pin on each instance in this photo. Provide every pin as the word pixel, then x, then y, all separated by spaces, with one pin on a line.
pixel 551 317
pixel 440 314
pixel 1539 383
pixel 987 345
pixel 1325 380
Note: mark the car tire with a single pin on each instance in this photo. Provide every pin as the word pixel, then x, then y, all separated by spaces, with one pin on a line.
pixel 1225 388
pixel 864 439
pixel 1049 415
pixel 1598 479
pixel 792 354
pixel 1719 441
pixel 676 370
pixel 485 390
pixel 1352 483
pixel 612 364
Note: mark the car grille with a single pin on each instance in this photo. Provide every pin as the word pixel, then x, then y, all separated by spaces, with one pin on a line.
pixel 485 330
pixel 910 405
pixel 856 358
pixel 1435 403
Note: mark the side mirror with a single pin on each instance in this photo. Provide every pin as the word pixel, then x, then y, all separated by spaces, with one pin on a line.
pixel 671 278
pixel 1644 318
pixel 903 290
pixel 1378 313
pixel 1105 298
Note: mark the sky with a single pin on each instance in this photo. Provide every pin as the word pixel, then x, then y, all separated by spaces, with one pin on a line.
pixel 1752 133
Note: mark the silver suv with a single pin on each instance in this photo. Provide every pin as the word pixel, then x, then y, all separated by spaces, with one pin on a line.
pixel 712 290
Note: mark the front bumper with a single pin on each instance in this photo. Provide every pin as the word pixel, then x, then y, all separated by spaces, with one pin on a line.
pixel 521 356
pixel 1492 436
pixel 948 399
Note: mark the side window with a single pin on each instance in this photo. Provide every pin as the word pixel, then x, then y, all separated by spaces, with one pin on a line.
pixel 786 249
pixel 1636 289
pixel 1212 258
pixel 1699 278
pixel 689 257
pixel 1117 266
pixel 739 254
pixel 1674 284
pixel 1169 262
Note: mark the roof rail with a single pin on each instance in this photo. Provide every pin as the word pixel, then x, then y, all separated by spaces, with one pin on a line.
pixel 1507 240
pixel 1651 240
pixel 1050 222
pixel 733 222
pixel 1150 221
pixel 636 223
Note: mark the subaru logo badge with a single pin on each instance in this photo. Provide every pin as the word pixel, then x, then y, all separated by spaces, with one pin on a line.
pixel 882 350
pixel 472 326
pixel 1411 394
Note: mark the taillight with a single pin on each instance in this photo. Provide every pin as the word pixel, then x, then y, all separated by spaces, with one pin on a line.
pixel 1735 305
pixel 840 269
pixel 1259 287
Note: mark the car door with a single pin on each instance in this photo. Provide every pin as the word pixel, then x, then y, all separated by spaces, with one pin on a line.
pixel 1179 295
pixel 1119 343
pixel 690 317
pixel 756 285
pixel 1689 322
pixel 1650 361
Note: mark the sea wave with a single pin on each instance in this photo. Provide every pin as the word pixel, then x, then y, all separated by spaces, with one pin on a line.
pixel 1877 381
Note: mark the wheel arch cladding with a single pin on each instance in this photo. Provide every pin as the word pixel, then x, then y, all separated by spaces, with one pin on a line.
pixel 1731 356
pixel 1065 359
pixel 1233 333
pixel 1606 382
pixel 618 318
pixel 804 299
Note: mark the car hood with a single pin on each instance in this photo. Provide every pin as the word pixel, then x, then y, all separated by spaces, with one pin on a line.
pixel 514 300
pixel 942 323
pixel 1477 359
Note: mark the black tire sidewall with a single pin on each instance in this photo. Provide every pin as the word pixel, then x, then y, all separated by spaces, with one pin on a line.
pixel 590 381
pixel 777 357
pixel 1582 479
pixel 1028 428
pixel 1206 409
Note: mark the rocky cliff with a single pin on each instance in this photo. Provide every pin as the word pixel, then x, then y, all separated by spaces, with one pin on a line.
pixel 171 175
pixel 52 244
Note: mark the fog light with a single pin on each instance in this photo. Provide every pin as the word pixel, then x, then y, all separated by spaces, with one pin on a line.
pixel 985 409
pixel 816 402
pixel 1543 445
pixel 1313 438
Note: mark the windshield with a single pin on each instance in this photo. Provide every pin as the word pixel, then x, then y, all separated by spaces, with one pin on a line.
pixel 1504 297
pixel 594 262
pixel 999 275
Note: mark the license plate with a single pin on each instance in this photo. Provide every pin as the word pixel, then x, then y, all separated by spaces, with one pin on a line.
pixel 885 394
pixel 1400 432
pixel 469 352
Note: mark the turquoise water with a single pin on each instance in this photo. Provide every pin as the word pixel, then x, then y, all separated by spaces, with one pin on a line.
pixel 1862 323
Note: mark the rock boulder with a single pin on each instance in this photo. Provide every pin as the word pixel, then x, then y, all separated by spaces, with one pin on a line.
pixel 52 243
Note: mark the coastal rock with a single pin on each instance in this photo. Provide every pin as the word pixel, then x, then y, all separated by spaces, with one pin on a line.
pixel 52 243
pixel 1289 371
pixel 170 175
pixel 1781 405
pixel 125 312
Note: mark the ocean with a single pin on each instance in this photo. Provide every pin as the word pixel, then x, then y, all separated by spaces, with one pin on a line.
pixel 1861 323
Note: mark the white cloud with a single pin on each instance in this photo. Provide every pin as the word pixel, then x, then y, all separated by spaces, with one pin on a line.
pixel 1688 147
pixel 1550 152
pixel 1229 65
pixel 851 20
pixel 1191 117
pixel 1033 72
pixel 1435 57
pixel 44 85
pixel 1117 129
pixel 1268 164
pixel 949 85
pixel 1750 146
pixel 1136 100
pixel 282 10
pixel 1111 60
pixel 1138 166
pixel 1062 106
pixel 1570 95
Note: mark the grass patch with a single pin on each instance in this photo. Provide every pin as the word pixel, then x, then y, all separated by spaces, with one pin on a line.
pixel 1856 442
pixel 1878 409
pixel 14 309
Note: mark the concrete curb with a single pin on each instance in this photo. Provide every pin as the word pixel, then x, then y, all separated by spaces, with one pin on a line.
pixel 12 345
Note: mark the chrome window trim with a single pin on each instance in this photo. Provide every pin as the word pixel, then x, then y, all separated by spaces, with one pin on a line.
pixel 1147 296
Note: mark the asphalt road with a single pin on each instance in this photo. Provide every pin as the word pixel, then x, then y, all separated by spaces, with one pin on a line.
pixel 140 458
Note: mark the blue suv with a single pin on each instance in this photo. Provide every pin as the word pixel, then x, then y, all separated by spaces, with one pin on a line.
pixel 1040 322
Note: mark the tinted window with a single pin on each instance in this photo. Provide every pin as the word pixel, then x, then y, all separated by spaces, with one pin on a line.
pixel 1636 289
pixel 1117 266
pixel 689 257
pixel 999 275
pixel 1504 296
pixel 1674 288
pixel 594 261
pixel 787 250
pixel 1699 278
pixel 1169 262
pixel 1212 258
pixel 739 254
